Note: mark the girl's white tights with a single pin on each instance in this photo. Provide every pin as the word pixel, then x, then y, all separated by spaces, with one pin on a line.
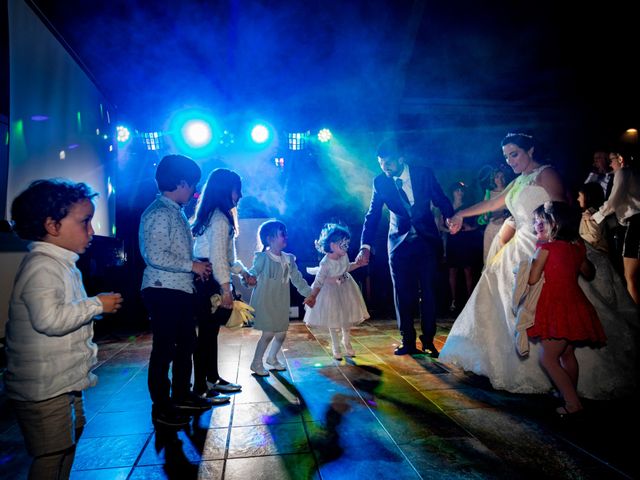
pixel 276 339
pixel 346 343
pixel 276 344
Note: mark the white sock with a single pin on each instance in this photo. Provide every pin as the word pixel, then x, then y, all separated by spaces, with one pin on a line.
pixel 261 347
pixel 335 341
pixel 346 338
pixel 278 340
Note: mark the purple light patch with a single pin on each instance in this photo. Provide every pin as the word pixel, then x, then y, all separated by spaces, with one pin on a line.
pixel 72 146
pixel 39 118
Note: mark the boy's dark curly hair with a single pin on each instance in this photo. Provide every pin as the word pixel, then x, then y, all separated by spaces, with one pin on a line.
pixel 46 199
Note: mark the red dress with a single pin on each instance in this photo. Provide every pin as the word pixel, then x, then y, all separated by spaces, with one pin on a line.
pixel 563 311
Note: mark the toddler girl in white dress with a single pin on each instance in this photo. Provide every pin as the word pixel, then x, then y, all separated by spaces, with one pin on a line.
pixel 338 301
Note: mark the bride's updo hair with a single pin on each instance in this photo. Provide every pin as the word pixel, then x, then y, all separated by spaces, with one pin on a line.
pixel 522 140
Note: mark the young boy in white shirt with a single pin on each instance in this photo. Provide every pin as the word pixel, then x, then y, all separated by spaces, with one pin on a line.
pixel 50 352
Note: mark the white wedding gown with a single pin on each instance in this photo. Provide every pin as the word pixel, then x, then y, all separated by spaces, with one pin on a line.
pixel 482 339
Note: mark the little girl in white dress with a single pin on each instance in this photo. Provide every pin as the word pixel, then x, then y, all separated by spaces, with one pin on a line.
pixel 338 301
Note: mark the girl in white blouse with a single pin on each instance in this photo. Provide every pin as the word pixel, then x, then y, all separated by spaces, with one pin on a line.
pixel 624 201
pixel 215 229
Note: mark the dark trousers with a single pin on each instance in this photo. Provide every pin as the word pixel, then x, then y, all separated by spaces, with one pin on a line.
pixel 205 359
pixel 413 272
pixel 174 340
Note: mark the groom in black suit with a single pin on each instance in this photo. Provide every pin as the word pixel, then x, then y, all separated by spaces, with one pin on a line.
pixel 414 243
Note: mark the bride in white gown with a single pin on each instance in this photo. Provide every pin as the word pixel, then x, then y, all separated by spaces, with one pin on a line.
pixel 482 339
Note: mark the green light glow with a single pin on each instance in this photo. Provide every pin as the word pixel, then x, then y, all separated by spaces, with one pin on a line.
pixel 18 129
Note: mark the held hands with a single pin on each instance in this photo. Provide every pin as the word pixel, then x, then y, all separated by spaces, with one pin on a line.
pixel 363 257
pixel 248 279
pixel 111 302
pixel 454 223
pixel 310 300
pixel 227 300
pixel 201 269
pixel 227 296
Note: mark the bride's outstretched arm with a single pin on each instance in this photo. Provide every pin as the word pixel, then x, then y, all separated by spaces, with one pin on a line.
pixel 495 203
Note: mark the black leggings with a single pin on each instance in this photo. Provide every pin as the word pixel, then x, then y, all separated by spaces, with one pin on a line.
pixel 631 246
pixel 205 358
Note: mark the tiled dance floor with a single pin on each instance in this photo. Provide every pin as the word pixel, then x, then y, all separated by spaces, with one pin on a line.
pixel 377 416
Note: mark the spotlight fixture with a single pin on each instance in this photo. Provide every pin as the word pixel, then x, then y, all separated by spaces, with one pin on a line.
pixel 197 133
pixel 324 135
pixel 298 141
pixel 227 138
pixel 122 134
pixel 260 133
pixel 152 140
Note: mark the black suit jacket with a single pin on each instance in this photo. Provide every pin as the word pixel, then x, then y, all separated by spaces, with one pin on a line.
pixel 426 189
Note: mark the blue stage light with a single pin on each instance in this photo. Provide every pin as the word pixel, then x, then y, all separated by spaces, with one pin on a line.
pixel 197 133
pixel 260 133
pixel 152 140
pixel 298 141
pixel 192 132
pixel 324 135
pixel 122 134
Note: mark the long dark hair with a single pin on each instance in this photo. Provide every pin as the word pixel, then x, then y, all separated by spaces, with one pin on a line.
pixel 216 195
pixel 593 195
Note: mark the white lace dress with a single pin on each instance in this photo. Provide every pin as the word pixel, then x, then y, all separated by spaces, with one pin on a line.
pixel 339 303
pixel 482 339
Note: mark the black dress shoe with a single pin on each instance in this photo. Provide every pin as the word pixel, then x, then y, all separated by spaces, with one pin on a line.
pixel 170 419
pixel 431 350
pixel 406 350
pixel 428 347
pixel 192 402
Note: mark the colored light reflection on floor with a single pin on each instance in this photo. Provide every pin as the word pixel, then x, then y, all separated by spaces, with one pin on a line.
pixel 376 415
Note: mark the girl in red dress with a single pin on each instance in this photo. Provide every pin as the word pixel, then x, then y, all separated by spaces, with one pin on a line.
pixel 564 316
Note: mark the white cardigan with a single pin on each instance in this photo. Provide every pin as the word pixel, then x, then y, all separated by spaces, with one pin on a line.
pixel 524 303
pixel 49 333
pixel 217 243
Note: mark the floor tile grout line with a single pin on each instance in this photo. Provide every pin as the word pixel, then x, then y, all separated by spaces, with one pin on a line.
pixel 151 434
pixel 377 419
pixel 553 433
pixel 591 455
pixel 434 404
pixel 304 424
pixel 311 450
pixel 144 447
pixel 231 416
pixel 101 409
pixel 125 345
